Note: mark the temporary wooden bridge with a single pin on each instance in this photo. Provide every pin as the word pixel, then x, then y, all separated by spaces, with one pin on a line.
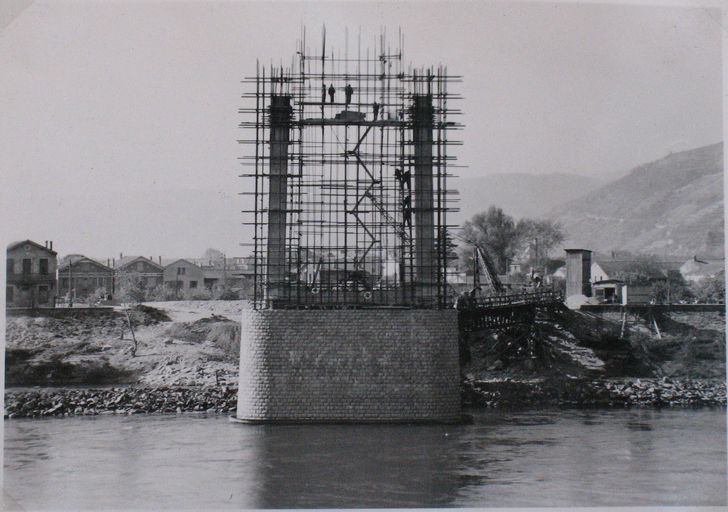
pixel 500 311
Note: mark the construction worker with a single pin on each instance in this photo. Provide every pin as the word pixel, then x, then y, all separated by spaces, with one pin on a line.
pixel 348 91
pixel 403 177
pixel 407 211
pixel 332 91
pixel 376 110
pixel 323 93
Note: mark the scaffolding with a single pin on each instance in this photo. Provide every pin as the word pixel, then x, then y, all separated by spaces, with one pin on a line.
pixel 349 161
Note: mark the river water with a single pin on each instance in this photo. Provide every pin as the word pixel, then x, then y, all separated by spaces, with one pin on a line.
pixel 528 458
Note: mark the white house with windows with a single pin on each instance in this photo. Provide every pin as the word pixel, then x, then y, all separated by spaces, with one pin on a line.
pixel 183 275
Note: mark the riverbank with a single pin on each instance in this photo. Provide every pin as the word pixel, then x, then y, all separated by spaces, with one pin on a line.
pixel 185 343
pixel 40 403
pixel 643 392
pixel 567 393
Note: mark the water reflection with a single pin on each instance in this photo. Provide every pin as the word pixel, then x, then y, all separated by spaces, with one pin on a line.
pixel 543 458
pixel 364 466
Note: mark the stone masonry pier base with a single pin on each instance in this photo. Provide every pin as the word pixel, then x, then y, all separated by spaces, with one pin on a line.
pixel 349 366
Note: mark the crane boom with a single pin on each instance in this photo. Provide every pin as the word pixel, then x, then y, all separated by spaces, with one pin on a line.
pixel 484 270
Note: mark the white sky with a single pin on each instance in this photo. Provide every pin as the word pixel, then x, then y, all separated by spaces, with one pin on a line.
pixel 119 119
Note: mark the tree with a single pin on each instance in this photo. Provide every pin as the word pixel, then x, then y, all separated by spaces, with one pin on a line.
pixel 450 245
pixel 213 256
pixel 666 285
pixel 710 290
pixel 494 231
pixel 131 291
pixel 505 239
pixel 538 238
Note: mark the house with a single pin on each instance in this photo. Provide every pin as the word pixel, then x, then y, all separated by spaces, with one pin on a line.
pixel 31 274
pixel 148 273
pixel 83 276
pixel 603 269
pixel 698 268
pixel 610 291
pixel 183 275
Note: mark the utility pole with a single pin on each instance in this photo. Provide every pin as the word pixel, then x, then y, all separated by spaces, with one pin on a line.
pixel 224 272
pixel 70 282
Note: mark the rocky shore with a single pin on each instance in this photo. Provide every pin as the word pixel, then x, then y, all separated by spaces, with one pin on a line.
pixel 90 402
pixel 475 393
pixel 644 392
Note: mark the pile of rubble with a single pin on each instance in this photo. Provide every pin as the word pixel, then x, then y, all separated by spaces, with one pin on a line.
pixel 663 392
pixel 91 402
pixel 578 392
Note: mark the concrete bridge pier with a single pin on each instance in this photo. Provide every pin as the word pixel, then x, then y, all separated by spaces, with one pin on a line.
pixel 426 261
pixel 281 112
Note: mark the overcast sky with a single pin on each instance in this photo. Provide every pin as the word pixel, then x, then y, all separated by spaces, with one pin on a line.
pixel 119 120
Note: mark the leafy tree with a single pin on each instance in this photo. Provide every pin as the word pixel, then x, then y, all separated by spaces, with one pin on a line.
pixel 666 286
pixel 539 237
pixel 97 296
pixel 132 288
pixel 710 290
pixel 505 239
pixel 214 256
pixel 673 289
pixel 495 232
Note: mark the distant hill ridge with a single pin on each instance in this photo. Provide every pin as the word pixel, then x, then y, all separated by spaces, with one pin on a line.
pixel 670 206
pixel 519 194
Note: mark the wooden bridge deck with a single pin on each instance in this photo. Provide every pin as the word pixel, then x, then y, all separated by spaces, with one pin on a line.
pixel 500 311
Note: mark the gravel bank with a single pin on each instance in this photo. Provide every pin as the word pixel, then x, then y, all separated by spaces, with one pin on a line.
pixel 644 392
pixel 478 394
pixel 90 402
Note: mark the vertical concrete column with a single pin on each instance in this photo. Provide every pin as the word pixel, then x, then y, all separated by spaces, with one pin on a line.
pixel 425 256
pixel 280 124
pixel 578 272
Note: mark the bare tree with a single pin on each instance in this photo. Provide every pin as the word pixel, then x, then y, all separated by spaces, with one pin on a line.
pixel 131 292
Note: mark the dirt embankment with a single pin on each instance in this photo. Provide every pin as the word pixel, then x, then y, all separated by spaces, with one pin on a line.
pixel 578 358
pixel 185 344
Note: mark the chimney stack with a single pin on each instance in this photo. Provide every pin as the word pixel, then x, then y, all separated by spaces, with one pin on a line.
pixel 46 244
pixel 51 244
pixel 160 261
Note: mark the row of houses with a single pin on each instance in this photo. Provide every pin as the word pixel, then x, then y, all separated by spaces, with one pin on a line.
pixel 35 277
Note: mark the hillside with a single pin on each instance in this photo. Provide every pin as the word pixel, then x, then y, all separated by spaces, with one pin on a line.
pixel 519 195
pixel 671 206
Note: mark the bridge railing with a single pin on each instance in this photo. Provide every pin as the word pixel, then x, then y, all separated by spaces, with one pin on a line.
pixel 540 297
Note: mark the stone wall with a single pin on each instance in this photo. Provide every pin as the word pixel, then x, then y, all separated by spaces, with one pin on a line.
pixel 367 365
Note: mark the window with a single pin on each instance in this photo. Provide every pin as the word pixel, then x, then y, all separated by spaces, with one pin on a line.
pixel 64 282
pixel 9 293
pixel 11 265
pixel 44 266
pixel 181 271
pixel 43 294
pixel 26 266
pixel 193 284
pixel 100 282
pixel 140 266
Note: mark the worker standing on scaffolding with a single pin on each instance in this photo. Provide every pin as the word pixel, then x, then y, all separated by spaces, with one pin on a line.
pixel 348 91
pixel 332 91
pixel 407 211
pixel 323 93
pixel 375 106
